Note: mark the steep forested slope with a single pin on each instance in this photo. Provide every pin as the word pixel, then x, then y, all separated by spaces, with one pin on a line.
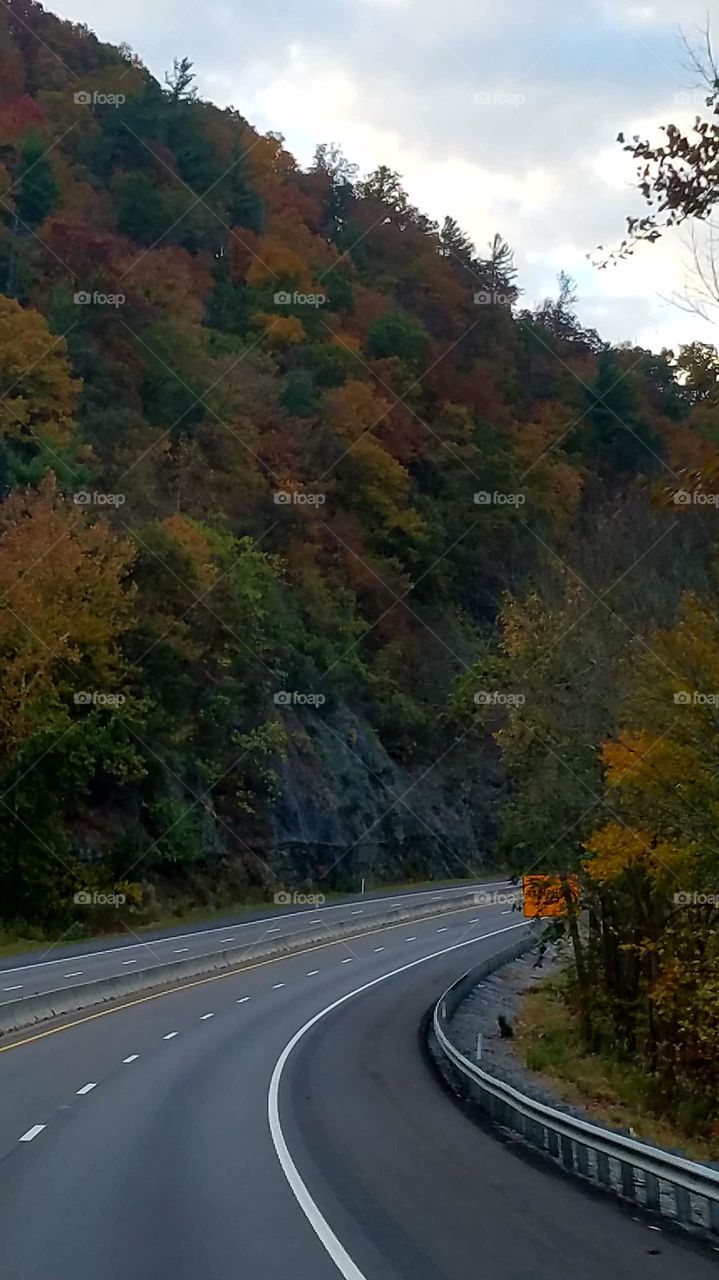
pixel 279 460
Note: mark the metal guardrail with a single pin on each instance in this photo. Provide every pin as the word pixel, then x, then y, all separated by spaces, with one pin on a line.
pixel 679 1189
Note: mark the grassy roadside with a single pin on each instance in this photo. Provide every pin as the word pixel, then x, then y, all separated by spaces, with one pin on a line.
pixel 614 1093
pixel 11 944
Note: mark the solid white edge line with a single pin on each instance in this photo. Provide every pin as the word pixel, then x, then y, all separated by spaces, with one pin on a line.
pixel 336 1250
pixel 247 924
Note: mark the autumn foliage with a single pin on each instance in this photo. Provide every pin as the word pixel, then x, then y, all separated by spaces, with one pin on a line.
pixel 266 428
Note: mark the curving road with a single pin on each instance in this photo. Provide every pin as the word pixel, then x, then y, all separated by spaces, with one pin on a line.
pixel 280 1123
pixel 61 966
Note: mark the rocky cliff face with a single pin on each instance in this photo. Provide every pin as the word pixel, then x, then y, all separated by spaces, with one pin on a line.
pixel 344 809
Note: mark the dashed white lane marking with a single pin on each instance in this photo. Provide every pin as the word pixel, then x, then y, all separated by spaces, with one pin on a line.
pixel 277 986
pixel 129 962
pixel 77 974
pixel 312 973
pixel 179 950
pixel 248 924
pixel 275 930
pixel 87 1088
pixel 348 960
pixel 443 929
pixel 205 1016
pixel 475 921
pixel 321 1227
pixel 132 1058
pixel 411 938
pixel 170 1035
pixel 379 948
pixel 243 1000
pixel 32 1133
pixel 227 939
pixel 13 988
pixel 356 913
pixel 507 913
pixel 315 922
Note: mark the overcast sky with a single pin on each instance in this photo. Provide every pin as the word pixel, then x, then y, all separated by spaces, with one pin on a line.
pixel 502 113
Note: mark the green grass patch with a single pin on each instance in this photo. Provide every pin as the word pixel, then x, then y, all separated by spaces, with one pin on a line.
pixel 615 1092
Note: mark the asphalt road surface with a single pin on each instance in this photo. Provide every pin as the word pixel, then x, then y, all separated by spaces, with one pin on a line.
pixel 59 966
pixel 280 1123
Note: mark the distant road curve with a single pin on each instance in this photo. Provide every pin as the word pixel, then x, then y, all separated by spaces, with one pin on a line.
pixel 56 967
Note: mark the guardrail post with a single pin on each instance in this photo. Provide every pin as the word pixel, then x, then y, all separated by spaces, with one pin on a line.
pixel 604 1171
pixel 683 1202
pixel 629 1188
pixel 537 1135
pixel 652 1191
pixel 714 1215
pixel 567 1152
pixel 583 1159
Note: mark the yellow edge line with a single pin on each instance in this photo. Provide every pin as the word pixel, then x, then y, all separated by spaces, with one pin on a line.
pixel 216 977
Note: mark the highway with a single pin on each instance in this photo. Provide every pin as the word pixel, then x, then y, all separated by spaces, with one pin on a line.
pixel 281 1123
pixel 58 966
